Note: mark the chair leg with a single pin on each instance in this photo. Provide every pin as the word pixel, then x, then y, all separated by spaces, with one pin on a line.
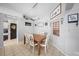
pixel 33 49
pixel 29 47
pixel 45 51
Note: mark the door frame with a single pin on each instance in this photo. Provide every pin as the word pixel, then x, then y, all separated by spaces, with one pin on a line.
pixel 16 31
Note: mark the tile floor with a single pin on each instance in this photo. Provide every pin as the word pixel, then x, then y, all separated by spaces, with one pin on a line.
pixel 13 49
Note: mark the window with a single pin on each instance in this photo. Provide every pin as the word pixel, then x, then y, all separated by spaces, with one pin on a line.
pixel 56 28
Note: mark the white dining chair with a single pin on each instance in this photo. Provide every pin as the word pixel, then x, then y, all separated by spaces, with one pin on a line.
pixel 26 38
pixel 31 41
pixel 45 43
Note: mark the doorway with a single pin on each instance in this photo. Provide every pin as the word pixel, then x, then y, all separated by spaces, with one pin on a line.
pixel 10 37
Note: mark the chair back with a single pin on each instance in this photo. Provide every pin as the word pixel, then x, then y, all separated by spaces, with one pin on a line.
pixel 45 41
pixel 47 38
pixel 29 37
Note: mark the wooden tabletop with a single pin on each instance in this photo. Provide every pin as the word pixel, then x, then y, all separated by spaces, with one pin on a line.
pixel 38 37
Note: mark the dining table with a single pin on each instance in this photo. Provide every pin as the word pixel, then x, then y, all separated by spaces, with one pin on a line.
pixel 39 38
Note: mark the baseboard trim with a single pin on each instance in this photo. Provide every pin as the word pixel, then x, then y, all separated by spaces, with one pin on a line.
pixel 60 50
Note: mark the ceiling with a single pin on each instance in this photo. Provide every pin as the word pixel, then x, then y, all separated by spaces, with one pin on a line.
pixel 30 9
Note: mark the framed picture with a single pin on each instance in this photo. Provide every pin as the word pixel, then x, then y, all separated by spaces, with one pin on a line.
pixel 56 11
pixel 27 24
pixel 73 18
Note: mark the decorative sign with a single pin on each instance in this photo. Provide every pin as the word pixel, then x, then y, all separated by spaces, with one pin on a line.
pixel 56 11
pixel 73 18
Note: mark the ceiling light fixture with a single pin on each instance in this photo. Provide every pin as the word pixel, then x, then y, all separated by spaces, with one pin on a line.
pixel 27 18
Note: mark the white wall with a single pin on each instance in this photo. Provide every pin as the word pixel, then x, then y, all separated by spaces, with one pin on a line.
pixel 40 29
pixel 59 41
pixel 1 34
pixel 22 29
pixel 68 41
pixel 29 29
pixel 72 41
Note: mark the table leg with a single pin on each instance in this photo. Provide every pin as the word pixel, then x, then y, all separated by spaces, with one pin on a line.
pixel 24 40
pixel 38 48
